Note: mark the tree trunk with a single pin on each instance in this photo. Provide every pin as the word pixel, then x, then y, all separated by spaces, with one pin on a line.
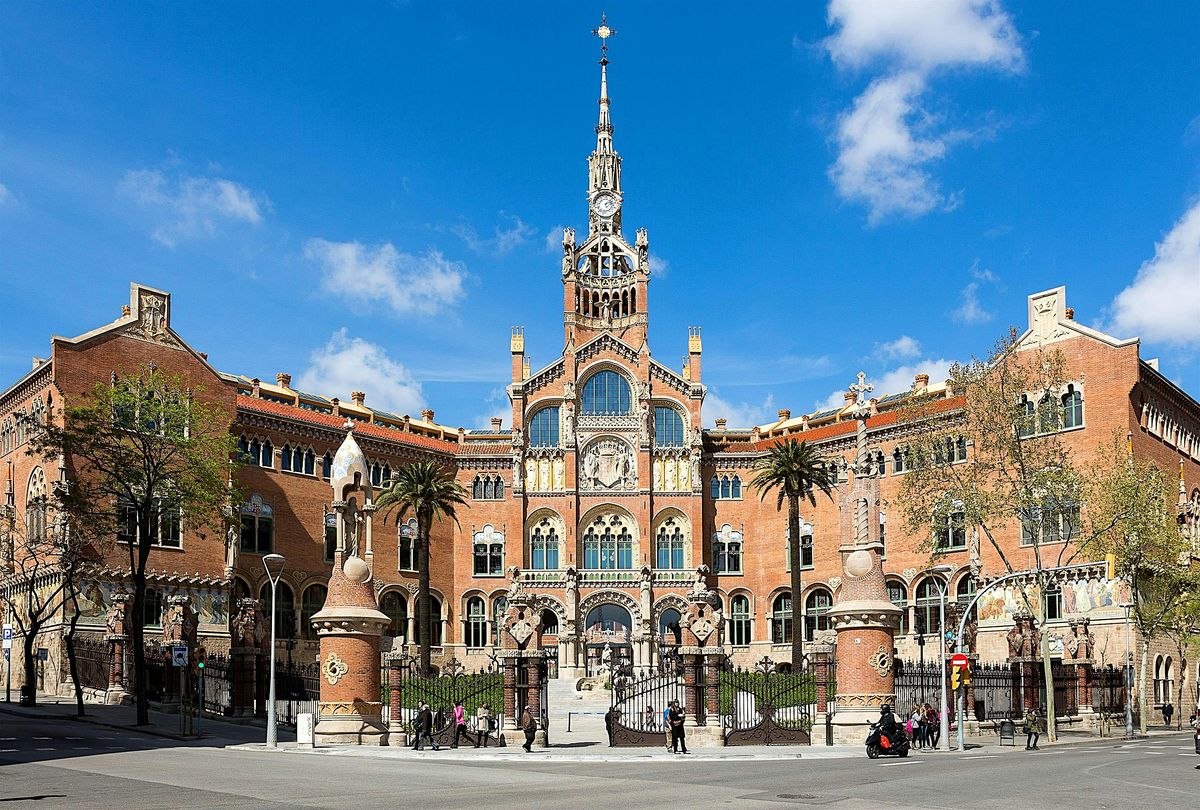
pixel 29 687
pixel 1183 663
pixel 1048 678
pixel 797 558
pixel 424 616
pixel 1142 683
pixel 137 639
pixel 70 642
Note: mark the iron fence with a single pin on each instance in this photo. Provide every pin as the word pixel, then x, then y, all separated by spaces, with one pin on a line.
pixel 639 698
pixel 920 683
pixel 92 659
pixel 483 687
pixel 769 705
pixel 217 685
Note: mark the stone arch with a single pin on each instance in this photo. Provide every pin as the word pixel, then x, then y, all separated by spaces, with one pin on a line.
pixel 669 518
pixel 553 520
pixel 606 597
pixel 671 600
pixel 557 608
pixel 610 516
pixel 604 364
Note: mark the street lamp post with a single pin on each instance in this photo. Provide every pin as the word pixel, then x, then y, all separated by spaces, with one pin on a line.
pixel 1128 607
pixel 273 565
pixel 943 589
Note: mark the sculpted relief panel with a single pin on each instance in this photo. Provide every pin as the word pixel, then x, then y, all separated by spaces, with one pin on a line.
pixel 609 465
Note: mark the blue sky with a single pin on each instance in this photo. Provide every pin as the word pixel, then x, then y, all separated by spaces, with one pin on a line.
pixel 370 198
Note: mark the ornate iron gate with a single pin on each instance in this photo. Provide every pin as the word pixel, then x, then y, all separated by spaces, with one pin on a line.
pixel 638 701
pixel 765 706
pixel 442 691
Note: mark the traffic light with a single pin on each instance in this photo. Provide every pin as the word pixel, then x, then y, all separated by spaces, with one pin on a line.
pixel 200 655
pixel 955 678
pixel 965 676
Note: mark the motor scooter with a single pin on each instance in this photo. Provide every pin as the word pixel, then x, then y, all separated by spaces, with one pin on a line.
pixel 880 744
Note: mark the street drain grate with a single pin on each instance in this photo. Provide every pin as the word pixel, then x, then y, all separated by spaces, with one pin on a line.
pixel 795 796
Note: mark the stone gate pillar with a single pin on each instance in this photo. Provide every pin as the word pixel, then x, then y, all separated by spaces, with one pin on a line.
pixel 117 636
pixel 522 656
pixel 178 627
pixel 244 652
pixel 700 649
pixel 350 710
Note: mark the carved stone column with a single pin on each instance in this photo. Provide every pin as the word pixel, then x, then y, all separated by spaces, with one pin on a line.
pixel 701 630
pixel 866 622
pixel 522 654
pixel 117 637
pixel 178 627
pixel 244 652
pixel 395 661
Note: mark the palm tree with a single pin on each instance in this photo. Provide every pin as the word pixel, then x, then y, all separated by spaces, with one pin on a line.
pixel 796 470
pixel 428 490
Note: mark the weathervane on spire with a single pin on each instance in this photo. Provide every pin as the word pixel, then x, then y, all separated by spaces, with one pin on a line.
pixel 604 32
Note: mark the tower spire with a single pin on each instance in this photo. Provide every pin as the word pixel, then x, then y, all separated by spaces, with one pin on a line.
pixel 604 127
pixel 604 165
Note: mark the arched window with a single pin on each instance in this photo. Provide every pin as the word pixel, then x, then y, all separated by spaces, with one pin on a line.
pixel 714 488
pixel 267 456
pixel 606 393
pixel 285 608
pixel 735 487
pixel 330 522
pixel 6 435
pixel 668 627
pixel 899 460
pixel 1158 679
pixel 950 528
pixel 1026 417
pixel 609 619
pixel 488 552
pixel 964 593
pixel 489 488
pixel 406 539
pixel 806 546
pixel 727 550
pixel 326 465
pixel 543 546
pixel 1054 602
pixel 781 619
pixel 309 462
pixel 435 619
pixel 152 608
pixel 395 608
pixel 285 459
pixel 477 624
pixel 477 488
pixel 258 526
pixel 929 601
pixel 669 545
pixel 313 601
pixel 739 621
pixel 898 596
pixel 608 544
pixel 668 427
pixel 543 428
pixel 35 508
pixel 816 606
pixel 1072 408
pixel 1168 679
pixel 549 622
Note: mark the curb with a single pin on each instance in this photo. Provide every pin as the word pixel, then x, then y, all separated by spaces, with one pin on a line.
pixel 97 722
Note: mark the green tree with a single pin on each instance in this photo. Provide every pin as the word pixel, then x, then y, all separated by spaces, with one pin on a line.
pixel 143 454
pixel 1129 506
pixel 1183 628
pixel 428 490
pixel 794 470
pixel 1020 471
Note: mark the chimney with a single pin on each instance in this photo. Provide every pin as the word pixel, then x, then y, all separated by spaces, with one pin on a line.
pixel 784 414
pixel 755 434
pixel 336 403
pixel 204 355
pixel 804 422
pixel 848 397
pixel 407 420
pixel 462 435
pixel 1070 313
pixel 721 422
pixel 496 423
pixel 358 397
pixel 921 382
pixel 256 382
pixel 427 414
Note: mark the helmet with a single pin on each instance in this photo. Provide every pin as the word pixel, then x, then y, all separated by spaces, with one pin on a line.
pixel 885 708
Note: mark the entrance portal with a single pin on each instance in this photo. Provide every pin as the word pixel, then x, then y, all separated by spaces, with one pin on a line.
pixel 609 627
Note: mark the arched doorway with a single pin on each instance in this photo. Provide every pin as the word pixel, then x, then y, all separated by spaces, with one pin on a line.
pixel 608 626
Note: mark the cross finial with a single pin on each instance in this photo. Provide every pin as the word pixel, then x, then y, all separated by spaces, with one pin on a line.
pixel 860 390
pixel 604 32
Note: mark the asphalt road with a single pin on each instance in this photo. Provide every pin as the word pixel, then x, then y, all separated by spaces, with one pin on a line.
pixel 64 764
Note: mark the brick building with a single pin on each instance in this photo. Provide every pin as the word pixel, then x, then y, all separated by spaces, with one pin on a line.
pixel 605 491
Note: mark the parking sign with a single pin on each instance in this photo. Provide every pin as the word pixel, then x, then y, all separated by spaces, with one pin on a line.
pixel 179 656
pixel 8 636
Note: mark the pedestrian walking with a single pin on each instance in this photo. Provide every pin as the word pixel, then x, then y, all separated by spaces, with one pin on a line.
pixel 933 727
pixel 916 726
pixel 667 725
pixel 529 726
pixel 483 725
pixel 1033 728
pixel 651 719
pixel 610 722
pixel 677 717
pixel 425 729
pixel 1168 711
pixel 460 723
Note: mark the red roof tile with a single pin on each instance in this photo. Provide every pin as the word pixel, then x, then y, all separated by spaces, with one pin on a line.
pixel 249 403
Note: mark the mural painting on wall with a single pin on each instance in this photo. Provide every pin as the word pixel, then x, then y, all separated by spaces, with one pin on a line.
pixel 211 604
pixel 1079 596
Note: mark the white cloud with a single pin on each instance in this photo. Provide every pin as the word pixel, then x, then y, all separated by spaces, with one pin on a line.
pixel 504 239
pixel 896 381
pixel 554 239
pixel 407 283
pixel 348 364
pixel 740 414
pixel 923 34
pixel 6 196
pixel 1163 302
pixel 191 207
pixel 659 267
pixel 902 348
pixel 496 404
pixel 970 310
pixel 887 139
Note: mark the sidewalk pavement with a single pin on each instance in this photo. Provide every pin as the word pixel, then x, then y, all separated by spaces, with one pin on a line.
pixel 162 724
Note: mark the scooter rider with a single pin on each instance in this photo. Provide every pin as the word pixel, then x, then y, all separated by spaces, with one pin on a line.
pixel 887 721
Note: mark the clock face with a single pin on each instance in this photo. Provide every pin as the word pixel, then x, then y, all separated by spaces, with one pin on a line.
pixel 605 205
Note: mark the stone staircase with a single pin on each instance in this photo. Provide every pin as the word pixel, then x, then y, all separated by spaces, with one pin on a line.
pixel 587 709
